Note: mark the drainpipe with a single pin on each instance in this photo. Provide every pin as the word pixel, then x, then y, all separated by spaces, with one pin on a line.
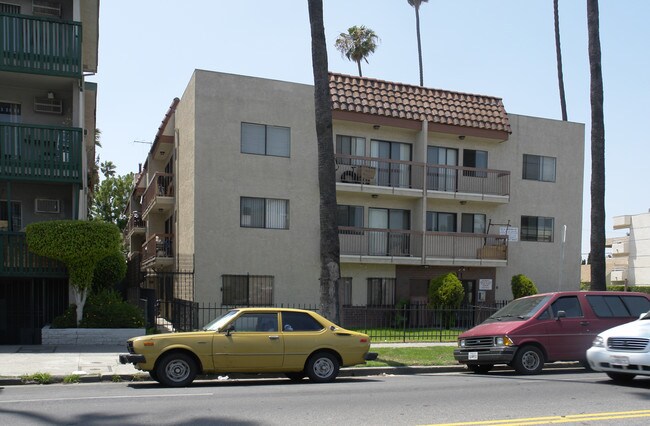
pixel 423 214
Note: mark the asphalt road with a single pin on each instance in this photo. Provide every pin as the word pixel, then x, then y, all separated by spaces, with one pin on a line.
pixel 561 396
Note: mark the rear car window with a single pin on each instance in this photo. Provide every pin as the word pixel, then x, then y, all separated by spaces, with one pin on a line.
pixel 299 321
pixel 618 306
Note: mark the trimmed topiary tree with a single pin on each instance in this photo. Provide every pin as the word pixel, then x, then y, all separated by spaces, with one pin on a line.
pixel 522 286
pixel 80 245
pixel 109 272
pixel 446 292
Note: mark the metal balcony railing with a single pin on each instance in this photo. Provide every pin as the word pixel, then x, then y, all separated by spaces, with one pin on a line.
pixel 161 185
pixel 158 246
pixel 17 260
pixel 47 153
pixel 40 45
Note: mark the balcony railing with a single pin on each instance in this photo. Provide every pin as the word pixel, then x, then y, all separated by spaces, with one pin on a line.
pixel 48 153
pixel 401 243
pixel 409 174
pixel 161 185
pixel 158 250
pixel 40 45
pixel 135 224
pixel 17 260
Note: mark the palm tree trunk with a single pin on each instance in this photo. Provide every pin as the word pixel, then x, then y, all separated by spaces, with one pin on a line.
pixel 329 238
pixel 417 27
pixel 558 50
pixel 359 66
pixel 598 279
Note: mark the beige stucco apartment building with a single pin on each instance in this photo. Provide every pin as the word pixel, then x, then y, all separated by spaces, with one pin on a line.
pixel 428 182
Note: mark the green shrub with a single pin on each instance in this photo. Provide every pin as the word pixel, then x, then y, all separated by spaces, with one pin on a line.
pixel 446 291
pixel 66 320
pixel 106 309
pixel 109 272
pixel 522 286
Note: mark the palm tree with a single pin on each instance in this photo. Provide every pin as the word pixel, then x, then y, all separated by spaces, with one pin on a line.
pixel 558 51
pixel 107 168
pixel 416 4
pixel 597 151
pixel 357 44
pixel 329 238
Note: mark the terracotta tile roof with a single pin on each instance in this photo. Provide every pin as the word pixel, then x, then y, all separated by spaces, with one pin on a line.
pixel 414 103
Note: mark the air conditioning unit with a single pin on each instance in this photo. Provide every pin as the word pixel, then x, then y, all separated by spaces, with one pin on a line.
pixel 618 275
pixel 47 206
pixel 46 8
pixel 48 105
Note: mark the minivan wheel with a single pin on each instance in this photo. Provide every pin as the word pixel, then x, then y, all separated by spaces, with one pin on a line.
pixel 479 368
pixel 621 377
pixel 528 360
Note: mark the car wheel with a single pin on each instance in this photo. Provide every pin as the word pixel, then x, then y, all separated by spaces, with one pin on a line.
pixel 176 369
pixel 621 377
pixel 528 360
pixel 479 368
pixel 295 377
pixel 153 375
pixel 322 367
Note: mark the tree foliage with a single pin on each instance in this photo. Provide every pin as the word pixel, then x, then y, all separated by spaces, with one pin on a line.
pixel 111 197
pixel 522 286
pixel 357 44
pixel 109 272
pixel 446 291
pixel 80 245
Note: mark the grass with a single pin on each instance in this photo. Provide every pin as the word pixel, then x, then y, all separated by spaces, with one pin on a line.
pixel 40 378
pixel 72 378
pixel 392 335
pixel 420 356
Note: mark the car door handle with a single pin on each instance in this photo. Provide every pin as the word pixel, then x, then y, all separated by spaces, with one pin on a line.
pixel 584 322
pixel 274 337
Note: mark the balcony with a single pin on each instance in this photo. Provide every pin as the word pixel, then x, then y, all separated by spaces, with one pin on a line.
pixel 31 44
pixel 158 252
pixel 159 195
pixel 408 178
pixel 16 260
pixel 135 226
pixel 370 245
pixel 46 153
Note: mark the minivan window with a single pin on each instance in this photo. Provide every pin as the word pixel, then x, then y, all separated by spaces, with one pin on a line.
pixel 519 309
pixel 618 306
pixel 570 305
pixel 636 305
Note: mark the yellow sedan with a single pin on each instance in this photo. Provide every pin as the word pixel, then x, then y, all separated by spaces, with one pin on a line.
pixel 295 342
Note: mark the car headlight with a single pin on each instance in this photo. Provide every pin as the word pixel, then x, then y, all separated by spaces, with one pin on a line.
pixel 503 341
pixel 461 343
pixel 598 342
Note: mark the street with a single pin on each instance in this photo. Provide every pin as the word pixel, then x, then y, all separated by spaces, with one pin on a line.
pixel 556 396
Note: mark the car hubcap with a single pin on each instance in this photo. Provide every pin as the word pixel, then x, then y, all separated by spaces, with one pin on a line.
pixel 323 367
pixel 177 370
pixel 530 361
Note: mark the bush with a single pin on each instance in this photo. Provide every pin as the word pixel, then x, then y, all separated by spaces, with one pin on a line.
pixel 522 286
pixel 109 272
pixel 446 291
pixel 105 309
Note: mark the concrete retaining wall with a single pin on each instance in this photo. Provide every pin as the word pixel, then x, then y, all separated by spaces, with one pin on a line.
pixel 88 336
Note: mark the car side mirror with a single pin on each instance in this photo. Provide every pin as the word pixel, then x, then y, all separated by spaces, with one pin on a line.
pixel 560 314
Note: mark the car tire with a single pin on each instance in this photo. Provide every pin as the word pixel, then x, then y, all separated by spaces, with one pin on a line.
pixel 154 376
pixel 322 367
pixel 528 360
pixel 621 377
pixel 176 369
pixel 479 368
pixel 295 377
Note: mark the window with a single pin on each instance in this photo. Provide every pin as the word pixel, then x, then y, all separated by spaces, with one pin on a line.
pixel 350 145
pixel 350 216
pixel 441 178
pixel 390 173
pixel 539 168
pixel 265 140
pixel 381 291
pixel 13 221
pixel 345 291
pixel 534 228
pixel 10 112
pixel 9 8
pixel 475 159
pixel 472 223
pixel 570 305
pixel 247 290
pixel 256 322
pixel 441 222
pixel 615 306
pixel 264 213
pixel 299 321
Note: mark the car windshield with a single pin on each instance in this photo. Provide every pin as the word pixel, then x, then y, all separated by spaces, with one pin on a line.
pixel 218 323
pixel 519 309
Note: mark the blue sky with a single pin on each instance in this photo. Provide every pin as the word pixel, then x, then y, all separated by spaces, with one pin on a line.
pixel 506 48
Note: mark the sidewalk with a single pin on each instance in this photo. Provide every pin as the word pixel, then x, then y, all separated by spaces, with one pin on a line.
pixel 100 363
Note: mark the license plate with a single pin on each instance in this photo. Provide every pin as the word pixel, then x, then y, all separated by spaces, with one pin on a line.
pixel 619 360
pixel 472 356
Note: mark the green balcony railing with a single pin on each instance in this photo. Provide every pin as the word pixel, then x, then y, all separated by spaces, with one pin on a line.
pixel 46 153
pixel 39 45
pixel 16 260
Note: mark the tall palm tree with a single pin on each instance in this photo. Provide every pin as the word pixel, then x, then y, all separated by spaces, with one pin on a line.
pixel 558 51
pixel 416 4
pixel 597 151
pixel 329 238
pixel 357 44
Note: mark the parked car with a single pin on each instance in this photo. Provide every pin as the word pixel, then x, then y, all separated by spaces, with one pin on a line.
pixel 296 342
pixel 623 352
pixel 548 327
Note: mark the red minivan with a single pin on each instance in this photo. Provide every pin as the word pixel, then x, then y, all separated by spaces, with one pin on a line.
pixel 548 327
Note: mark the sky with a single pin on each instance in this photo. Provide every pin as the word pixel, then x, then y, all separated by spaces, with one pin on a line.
pixel 148 50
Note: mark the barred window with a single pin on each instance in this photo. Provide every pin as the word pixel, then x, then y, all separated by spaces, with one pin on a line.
pixel 247 290
pixel 345 291
pixel 264 213
pixel 381 291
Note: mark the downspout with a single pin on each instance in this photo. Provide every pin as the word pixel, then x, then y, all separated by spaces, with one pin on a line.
pixel 423 218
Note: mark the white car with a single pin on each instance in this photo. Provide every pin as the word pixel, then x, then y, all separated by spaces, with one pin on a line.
pixel 623 351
